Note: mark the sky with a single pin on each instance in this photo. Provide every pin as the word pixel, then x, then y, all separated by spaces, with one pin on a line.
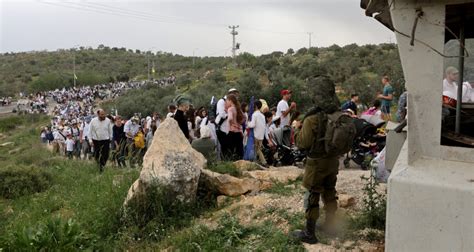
pixel 186 27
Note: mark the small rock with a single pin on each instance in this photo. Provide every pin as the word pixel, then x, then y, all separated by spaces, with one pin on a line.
pixel 280 174
pixel 245 165
pixel 346 201
pixel 228 185
pixel 264 185
pixel 7 144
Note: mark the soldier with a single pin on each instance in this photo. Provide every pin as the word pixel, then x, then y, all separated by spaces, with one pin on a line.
pixel 321 168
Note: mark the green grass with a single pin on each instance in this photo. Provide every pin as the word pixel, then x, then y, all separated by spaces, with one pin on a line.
pixel 232 236
pixel 77 192
pixel 225 168
pixel 285 189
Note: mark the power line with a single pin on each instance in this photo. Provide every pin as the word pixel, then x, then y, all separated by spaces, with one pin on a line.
pixel 146 16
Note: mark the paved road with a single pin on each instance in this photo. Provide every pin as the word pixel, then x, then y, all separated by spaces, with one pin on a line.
pixel 7 109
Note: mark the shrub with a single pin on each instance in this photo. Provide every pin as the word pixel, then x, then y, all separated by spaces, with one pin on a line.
pixel 157 214
pixel 54 235
pixel 374 209
pixel 19 181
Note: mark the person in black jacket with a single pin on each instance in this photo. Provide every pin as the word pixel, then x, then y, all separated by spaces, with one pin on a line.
pixel 180 115
pixel 120 141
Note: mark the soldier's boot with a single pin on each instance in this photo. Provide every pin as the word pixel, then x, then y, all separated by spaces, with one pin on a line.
pixel 307 235
pixel 329 226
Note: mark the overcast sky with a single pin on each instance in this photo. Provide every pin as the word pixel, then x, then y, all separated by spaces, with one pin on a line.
pixel 184 26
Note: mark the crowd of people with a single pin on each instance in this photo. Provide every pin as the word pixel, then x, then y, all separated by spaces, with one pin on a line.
pixel 219 131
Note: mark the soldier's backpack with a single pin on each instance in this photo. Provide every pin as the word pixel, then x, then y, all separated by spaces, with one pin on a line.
pixel 340 133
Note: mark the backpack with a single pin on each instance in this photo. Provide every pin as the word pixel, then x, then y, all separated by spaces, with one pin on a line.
pixel 49 136
pixel 139 141
pixel 340 133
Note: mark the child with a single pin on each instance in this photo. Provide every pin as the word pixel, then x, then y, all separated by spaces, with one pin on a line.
pixel 69 146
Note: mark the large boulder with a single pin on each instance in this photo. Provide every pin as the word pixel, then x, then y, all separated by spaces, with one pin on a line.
pixel 171 164
pixel 225 184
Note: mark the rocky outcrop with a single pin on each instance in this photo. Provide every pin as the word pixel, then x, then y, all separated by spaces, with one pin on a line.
pixel 277 174
pixel 225 184
pixel 171 164
pixel 244 165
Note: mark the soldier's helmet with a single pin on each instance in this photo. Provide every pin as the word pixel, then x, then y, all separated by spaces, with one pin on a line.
pixel 323 94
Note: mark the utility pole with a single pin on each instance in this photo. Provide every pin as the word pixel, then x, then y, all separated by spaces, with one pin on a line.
pixel 234 33
pixel 309 34
pixel 148 69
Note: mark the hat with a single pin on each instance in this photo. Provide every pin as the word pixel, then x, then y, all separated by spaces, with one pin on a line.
pixel 232 90
pixel 285 92
pixel 180 100
pixel 73 121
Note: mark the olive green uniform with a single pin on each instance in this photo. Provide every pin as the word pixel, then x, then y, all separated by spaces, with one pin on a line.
pixel 321 170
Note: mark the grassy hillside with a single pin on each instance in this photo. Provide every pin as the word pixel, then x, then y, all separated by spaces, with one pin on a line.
pixel 354 68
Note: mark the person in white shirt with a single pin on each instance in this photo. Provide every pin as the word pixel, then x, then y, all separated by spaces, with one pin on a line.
pixel 69 146
pixel 450 87
pixel 258 125
pixel 86 148
pixel 283 110
pixel 171 111
pixel 222 128
pixel 100 135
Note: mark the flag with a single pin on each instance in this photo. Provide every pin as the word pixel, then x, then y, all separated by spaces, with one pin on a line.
pixel 249 151
pixel 75 76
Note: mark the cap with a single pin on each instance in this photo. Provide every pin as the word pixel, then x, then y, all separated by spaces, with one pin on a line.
pixel 285 92
pixel 232 90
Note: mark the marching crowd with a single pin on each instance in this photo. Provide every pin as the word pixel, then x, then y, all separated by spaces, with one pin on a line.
pixel 219 131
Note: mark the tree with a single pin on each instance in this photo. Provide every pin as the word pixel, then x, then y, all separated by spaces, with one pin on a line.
pixel 290 51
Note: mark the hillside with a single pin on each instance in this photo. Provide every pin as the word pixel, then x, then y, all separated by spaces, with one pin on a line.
pixel 354 68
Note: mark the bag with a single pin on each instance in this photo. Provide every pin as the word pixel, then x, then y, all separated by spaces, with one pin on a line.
pixel 212 114
pixel 370 111
pixel 340 133
pixel 50 136
pixel 139 141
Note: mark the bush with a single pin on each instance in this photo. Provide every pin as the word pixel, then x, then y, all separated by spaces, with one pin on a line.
pixel 157 214
pixel 54 235
pixel 374 209
pixel 18 181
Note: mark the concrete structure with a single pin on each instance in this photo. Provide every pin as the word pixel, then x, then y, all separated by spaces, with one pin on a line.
pixel 394 144
pixel 431 187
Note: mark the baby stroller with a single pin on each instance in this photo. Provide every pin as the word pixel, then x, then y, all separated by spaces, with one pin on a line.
pixel 285 153
pixel 367 144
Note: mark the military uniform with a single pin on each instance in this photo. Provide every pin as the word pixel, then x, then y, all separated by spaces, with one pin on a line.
pixel 321 168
